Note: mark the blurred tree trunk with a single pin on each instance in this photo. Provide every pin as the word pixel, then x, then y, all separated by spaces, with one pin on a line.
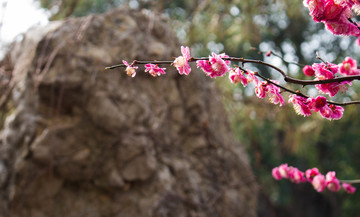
pixel 84 142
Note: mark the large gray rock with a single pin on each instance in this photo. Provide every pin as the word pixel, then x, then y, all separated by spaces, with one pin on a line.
pixel 84 142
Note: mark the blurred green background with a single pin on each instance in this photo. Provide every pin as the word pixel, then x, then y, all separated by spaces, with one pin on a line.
pixel 272 135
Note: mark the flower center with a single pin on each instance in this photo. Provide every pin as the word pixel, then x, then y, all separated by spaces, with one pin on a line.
pixel 320 103
pixel 216 67
pixel 179 62
pixel 347 66
pixel 130 71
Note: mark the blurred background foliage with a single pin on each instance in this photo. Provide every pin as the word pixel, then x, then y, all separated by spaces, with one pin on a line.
pixel 272 135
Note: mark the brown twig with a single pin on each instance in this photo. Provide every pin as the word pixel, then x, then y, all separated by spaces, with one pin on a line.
pixel 285 61
pixel 279 56
pixel 286 78
pixel 356 181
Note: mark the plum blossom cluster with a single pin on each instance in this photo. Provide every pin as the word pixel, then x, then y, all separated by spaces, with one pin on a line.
pixel 304 106
pixel 336 15
pixel 154 70
pixel 318 180
pixel 325 71
pixel 217 65
pixel 262 88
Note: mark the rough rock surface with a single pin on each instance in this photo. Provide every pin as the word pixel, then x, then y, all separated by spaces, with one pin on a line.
pixel 84 142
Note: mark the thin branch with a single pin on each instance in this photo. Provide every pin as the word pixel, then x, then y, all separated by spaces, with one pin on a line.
pixel 282 87
pixel 279 56
pixel 292 80
pixel 287 78
pixel 353 22
pixel 344 103
pixel 319 58
pixel 356 181
pixel 141 63
pixel 285 61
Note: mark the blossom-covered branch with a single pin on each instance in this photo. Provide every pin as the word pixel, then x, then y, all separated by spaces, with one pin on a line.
pixel 318 180
pixel 329 78
pixel 326 79
pixel 287 78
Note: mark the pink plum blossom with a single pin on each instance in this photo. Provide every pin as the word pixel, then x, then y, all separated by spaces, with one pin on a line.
pixel 311 173
pixel 342 26
pixel 276 173
pixel 260 89
pixel 319 183
pixel 333 9
pixel 308 70
pixel 295 175
pixel 236 76
pixel 215 66
pixel 154 70
pixel 327 71
pixel 284 170
pixel 130 69
pixel 335 15
pixel 300 105
pixel 324 71
pixel 276 98
pixel 274 95
pixel 333 88
pixel 326 112
pixel 337 20
pixel 349 188
pixel 326 10
pixel 264 88
pixel 318 103
pixel 316 8
pixel 332 183
pixel 337 112
pixel 330 112
pixel 349 67
pixel 182 62
pixel 251 77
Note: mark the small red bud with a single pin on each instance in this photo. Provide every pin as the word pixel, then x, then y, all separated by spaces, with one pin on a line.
pixel 308 70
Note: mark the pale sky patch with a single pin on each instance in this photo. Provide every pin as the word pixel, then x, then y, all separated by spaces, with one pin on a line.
pixel 18 16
